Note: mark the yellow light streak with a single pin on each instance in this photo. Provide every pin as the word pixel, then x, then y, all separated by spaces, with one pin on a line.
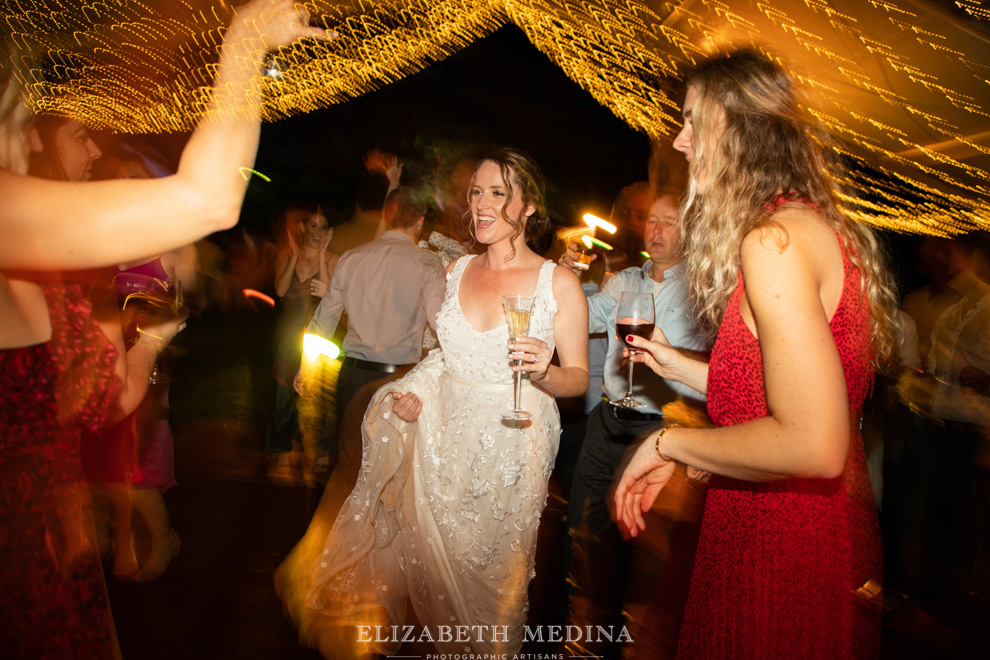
pixel 246 172
pixel 314 346
pixel 594 221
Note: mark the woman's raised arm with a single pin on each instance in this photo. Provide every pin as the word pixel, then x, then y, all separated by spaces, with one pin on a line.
pixel 50 225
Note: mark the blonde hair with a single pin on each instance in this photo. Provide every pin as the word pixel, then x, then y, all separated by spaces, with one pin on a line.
pixel 765 146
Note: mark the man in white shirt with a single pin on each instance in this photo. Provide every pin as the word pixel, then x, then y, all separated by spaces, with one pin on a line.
pixel 599 577
pixel 391 290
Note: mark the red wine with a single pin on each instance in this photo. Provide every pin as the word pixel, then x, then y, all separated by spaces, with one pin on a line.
pixel 644 330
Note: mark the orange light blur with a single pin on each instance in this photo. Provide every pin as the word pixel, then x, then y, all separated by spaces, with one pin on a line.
pixel 251 293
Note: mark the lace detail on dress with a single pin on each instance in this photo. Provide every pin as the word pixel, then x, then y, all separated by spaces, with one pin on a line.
pixel 446 509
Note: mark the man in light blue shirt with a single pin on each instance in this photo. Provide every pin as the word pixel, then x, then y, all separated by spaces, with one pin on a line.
pixel 611 430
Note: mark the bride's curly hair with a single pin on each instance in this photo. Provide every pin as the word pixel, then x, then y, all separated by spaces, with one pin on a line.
pixel 752 143
pixel 523 177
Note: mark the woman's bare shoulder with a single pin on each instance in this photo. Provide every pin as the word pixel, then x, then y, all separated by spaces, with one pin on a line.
pixel 795 228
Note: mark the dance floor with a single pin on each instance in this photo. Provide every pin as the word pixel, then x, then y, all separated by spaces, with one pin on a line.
pixel 217 599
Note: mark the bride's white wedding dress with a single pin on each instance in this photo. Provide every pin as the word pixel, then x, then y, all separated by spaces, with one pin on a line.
pixel 446 510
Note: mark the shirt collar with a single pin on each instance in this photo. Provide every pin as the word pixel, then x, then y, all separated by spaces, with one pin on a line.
pixel 674 271
pixel 392 233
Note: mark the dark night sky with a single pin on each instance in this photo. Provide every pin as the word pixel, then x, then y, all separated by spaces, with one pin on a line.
pixel 500 91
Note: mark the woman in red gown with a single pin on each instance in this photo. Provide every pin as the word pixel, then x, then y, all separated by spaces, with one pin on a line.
pixel 58 372
pixel 803 310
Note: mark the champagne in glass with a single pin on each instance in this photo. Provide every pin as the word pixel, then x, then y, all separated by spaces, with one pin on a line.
pixel 635 315
pixel 518 310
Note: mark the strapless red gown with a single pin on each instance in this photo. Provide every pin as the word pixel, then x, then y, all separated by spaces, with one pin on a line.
pixel 53 601
pixel 777 562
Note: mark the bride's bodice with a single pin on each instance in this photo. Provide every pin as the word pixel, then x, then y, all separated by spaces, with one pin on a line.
pixel 484 356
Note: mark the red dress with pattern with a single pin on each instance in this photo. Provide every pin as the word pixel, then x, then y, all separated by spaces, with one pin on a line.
pixel 53 601
pixel 777 562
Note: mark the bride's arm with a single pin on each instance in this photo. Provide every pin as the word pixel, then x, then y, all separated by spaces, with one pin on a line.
pixel 570 334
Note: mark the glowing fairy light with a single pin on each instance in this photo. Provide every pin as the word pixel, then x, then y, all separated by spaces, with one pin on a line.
pixel 314 346
pixel 146 66
pixel 594 221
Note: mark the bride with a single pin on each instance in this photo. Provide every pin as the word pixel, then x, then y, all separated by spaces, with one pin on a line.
pixel 445 512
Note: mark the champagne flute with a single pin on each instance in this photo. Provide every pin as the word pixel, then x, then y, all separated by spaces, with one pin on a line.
pixel 635 315
pixel 518 310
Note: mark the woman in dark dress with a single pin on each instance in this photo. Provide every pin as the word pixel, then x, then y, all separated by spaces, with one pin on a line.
pixel 303 268
pixel 804 310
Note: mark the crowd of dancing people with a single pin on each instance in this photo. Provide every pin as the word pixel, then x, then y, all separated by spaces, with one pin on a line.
pixel 718 358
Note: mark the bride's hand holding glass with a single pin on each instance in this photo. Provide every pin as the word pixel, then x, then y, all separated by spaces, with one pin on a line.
pixel 533 355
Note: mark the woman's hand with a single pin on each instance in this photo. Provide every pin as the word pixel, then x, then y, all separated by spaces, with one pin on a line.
pixel 325 242
pixel 293 243
pixel 159 331
pixel 656 352
pixel 317 287
pixel 535 356
pixel 277 23
pixel 638 486
pixel 393 170
pixel 407 406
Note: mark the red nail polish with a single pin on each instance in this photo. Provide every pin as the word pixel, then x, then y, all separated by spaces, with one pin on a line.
pixel 629 338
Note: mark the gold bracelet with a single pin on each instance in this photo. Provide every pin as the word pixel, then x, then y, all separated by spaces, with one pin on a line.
pixel 663 458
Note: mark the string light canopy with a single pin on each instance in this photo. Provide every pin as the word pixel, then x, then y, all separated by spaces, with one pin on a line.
pixel 902 84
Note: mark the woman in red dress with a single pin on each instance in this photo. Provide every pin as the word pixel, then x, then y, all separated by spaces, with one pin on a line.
pixel 803 309
pixel 58 372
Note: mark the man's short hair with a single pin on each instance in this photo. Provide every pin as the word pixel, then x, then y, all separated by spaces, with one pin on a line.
pixel 404 207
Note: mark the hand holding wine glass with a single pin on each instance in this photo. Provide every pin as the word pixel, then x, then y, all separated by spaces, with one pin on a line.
pixel 654 351
pixel 634 315
pixel 160 316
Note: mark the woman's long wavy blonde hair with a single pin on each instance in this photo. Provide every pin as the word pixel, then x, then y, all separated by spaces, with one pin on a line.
pixel 751 143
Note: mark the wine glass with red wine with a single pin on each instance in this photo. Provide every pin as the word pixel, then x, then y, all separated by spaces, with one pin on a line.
pixel 635 315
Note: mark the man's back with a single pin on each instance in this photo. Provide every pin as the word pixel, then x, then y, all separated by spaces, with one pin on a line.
pixel 390 289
